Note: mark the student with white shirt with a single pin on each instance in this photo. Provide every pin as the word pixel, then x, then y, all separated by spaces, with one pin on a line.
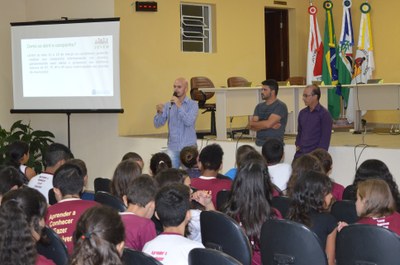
pixel 56 155
pixel 273 152
pixel 172 208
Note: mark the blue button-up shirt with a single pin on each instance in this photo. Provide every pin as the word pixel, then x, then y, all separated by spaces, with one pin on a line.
pixel 181 123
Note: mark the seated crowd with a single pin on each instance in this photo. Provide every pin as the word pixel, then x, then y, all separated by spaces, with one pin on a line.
pixel 162 216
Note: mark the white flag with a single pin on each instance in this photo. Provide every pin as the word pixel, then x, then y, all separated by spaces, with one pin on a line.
pixel 315 48
pixel 364 63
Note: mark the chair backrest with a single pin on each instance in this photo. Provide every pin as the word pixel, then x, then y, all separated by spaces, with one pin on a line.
pixel 297 80
pixel 237 81
pixel 53 248
pixel 108 199
pixel 219 231
pixel 281 203
pixel 350 193
pixel 222 198
pixel 134 257
pixel 345 210
pixel 102 184
pixel 207 256
pixel 362 244
pixel 288 242
pixel 200 82
pixel 52 197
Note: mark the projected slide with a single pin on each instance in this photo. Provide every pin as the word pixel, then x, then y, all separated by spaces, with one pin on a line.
pixel 67 67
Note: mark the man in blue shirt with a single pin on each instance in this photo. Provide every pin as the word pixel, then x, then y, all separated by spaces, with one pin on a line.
pixel 314 123
pixel 180 113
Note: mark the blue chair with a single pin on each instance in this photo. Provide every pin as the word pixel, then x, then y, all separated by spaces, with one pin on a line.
pixel 207 256
pixel 345 210
pixel 220 232
pixel 102 184
pixel 281 203
pixel 135 257
pixel 286 242
pixel 367 245
pixel 108 199
pixel 52 247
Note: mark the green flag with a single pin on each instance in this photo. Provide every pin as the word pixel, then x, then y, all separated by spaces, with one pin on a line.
pixel 329 68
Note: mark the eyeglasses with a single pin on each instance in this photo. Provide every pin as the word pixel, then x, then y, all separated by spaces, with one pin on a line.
pixel 308 95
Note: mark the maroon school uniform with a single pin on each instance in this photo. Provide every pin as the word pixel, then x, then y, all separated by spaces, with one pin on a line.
pixel 42 260
pixel 211 184
pixel 63 216
pixel 337 191
pixel 138 230
pixel 391 222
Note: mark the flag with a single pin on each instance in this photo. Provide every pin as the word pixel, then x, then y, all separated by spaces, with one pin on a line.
pixel 364 63
pixel 345 51
pixel 315 48
pixel 329 70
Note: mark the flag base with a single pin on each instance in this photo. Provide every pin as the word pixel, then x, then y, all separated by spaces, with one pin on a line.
pixel 342 122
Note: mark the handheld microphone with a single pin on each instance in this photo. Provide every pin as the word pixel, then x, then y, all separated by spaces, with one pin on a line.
pixel 172 103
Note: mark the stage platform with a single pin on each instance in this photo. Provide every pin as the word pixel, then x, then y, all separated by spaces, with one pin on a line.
pixel 347 150
pixel 373 139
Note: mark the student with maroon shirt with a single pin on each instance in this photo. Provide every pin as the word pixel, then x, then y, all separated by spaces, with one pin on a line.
pixel 63 216
pixel 210 163
pixel 375 205
pixel 326 162
pixel 139 229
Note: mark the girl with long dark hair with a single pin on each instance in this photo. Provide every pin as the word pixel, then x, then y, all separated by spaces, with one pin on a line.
pixel 250 201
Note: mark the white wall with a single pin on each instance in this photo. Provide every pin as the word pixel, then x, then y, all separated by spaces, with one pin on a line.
pixel 94 137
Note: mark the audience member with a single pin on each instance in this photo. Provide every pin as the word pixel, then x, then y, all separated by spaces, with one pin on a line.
pixel 123 173
pixel 200 200
pixel 188 157
pixel 10 179
pixel 326 162
pixel 63 216
pixel 172 208
pixel 172 175
pixel 302 165
pixel 88 196
pixel 99 237
pixel 21 223
pixel 273 152
pixel 311 199
pixel 55 156
pixel 210 163
pixel 375 205
pixel 250 201
pixel 242 151
pixel 135 157
pixel 373 168
pixel 139 229
pixel 159 161
pixel 17 155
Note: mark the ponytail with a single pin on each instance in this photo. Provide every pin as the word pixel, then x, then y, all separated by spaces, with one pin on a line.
pixel 90 249
pixel 98 232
